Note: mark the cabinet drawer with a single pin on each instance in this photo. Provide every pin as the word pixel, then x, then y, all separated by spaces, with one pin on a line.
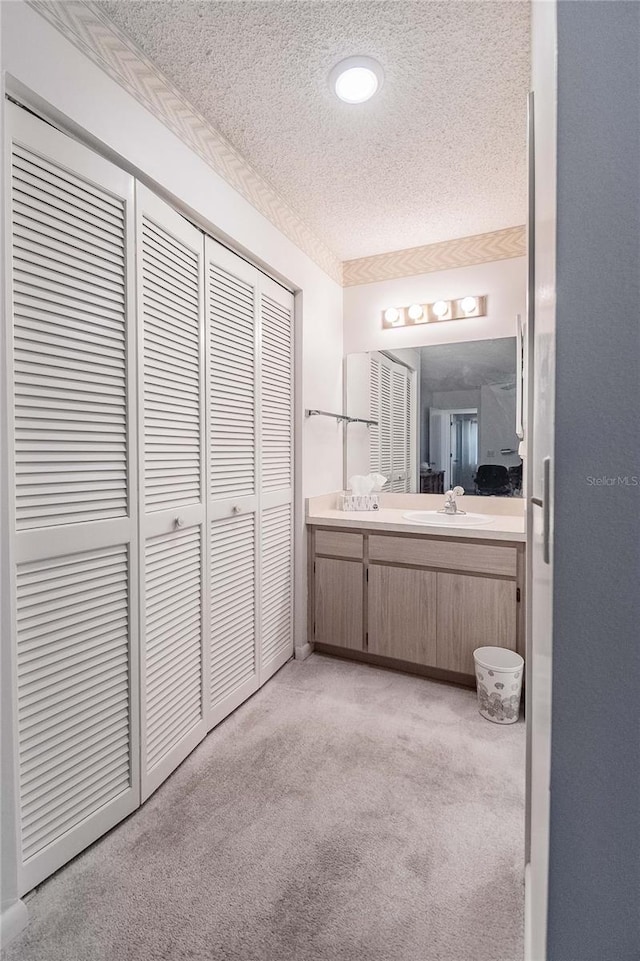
pixel 339 544
pixel 447 555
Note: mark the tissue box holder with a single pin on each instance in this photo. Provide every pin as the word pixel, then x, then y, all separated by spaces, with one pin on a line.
pixel 360 502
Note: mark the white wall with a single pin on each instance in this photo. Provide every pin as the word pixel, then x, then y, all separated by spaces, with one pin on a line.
pixel 496 425
pixel 504 282
pixel 39 65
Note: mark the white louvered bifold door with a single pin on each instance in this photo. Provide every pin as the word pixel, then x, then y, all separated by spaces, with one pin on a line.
pixel 232 391
pixel 276 477
pixel 72 467
pixel 173 580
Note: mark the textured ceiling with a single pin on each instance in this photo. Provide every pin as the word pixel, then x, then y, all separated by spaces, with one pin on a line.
pixel 439 153
pixel 468 365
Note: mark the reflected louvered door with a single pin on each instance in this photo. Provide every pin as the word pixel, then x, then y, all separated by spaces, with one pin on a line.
pixel 385 428
pixel 232 392
pixel 412 432
pixel 72 471
pixel 398 429
pixel 375 465
pixel 276 477
pixel 173 579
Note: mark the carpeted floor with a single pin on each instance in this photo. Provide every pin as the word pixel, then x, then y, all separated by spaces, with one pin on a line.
pixel 345 813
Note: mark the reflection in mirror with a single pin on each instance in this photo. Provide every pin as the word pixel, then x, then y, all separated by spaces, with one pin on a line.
pixel 446 416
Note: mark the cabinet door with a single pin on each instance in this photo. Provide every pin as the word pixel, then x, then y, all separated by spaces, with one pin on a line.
pixel 339 593
pixel 473 612
pixel 402 613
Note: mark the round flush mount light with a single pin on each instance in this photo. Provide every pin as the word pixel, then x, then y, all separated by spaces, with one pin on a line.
pixel 415 311
pixel 356 79
pixel 469 304
pixel 440 308
pixel 392 315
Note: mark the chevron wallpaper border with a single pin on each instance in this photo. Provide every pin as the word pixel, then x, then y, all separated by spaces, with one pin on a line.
pixel 88 28
pixel 464 252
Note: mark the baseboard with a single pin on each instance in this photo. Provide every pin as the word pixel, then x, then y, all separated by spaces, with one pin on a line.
pixel 393 664
pixel 303 652
pixel 13 920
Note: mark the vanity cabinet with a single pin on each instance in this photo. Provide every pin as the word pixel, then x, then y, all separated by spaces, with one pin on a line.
pixel 401 608
pixel 418 602
pixel 338 602
pixel 473 612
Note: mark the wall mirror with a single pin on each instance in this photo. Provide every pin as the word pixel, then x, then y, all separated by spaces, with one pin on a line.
pixel 447 415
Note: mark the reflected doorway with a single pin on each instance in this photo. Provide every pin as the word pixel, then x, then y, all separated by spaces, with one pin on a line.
pixel 454 445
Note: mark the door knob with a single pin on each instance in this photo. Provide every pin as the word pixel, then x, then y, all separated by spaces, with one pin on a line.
pixel 235 509
pixel 178 522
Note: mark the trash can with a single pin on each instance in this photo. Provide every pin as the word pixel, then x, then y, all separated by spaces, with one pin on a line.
pixel 499 683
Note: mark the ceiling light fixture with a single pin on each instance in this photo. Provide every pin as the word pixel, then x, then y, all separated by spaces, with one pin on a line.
pixel 356 79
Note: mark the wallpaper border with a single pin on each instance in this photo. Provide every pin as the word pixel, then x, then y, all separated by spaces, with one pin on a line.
pixel 464 252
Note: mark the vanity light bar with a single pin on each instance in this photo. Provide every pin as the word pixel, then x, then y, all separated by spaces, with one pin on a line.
pixel 434 313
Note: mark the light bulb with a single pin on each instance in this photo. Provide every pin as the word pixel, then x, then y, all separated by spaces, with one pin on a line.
pixel 440 308
pixel 469 304
pixel 392 315
pixel 415 312
pixel 356 79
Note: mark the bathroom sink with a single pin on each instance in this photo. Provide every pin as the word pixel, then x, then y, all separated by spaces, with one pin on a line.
pixel 448 520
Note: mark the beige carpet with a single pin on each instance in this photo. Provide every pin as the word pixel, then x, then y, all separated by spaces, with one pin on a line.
pixel 345 813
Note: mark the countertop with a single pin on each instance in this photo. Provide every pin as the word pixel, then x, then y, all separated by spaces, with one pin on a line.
pixel 504 527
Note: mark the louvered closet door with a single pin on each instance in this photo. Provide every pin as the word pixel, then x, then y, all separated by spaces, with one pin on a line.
pixel 72 465
pixel 276 477
pixel 173 580
pixel 232 391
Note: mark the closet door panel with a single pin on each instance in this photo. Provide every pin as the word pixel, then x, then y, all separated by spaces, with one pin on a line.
pixel 72 476
pixel 276 477
pixel 173 640
pixel 73 690
pixel 276 594
pixel 276 447
pixel 233 460
pixel 232 375
pixel 174 612
pixel 234 670
pixel 171 282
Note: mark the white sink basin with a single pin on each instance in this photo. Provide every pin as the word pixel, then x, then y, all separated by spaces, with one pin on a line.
pixel 448 520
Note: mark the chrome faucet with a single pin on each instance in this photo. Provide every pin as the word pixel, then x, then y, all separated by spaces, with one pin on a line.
pixel 450 506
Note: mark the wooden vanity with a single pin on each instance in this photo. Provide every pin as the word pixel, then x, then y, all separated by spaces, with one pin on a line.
pixel 417 602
